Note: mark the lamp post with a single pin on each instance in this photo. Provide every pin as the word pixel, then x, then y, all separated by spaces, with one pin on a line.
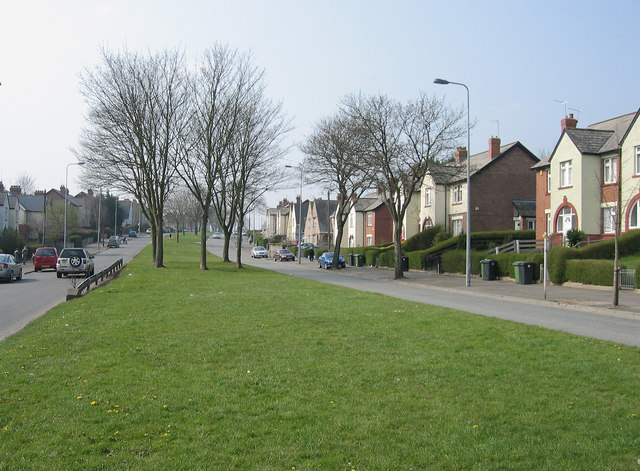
pixel 468 255
pixel 299 218
pixel 66 192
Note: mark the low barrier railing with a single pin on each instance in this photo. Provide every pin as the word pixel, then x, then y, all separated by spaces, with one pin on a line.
pixel 96 279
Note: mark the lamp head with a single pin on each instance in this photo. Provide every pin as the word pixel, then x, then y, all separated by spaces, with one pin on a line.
pixel 441 81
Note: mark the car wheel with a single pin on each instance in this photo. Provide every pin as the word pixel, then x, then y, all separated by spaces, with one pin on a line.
pixel 36 269
pixel 19 277
pixel 58 274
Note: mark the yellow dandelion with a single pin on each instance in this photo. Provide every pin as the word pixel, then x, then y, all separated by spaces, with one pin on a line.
pixel 164 406
pixel 116 432
pixel 78 397
pixel 93 403
pixel 634 415
pixel 5 428
pixel 476 426
pixel 331 402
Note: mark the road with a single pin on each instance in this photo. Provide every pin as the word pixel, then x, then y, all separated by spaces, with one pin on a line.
pixel 29 298
pixel 504 301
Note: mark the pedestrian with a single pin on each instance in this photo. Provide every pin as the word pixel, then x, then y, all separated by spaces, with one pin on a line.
pixel 16 255
pixel 25 254
pixel 312 254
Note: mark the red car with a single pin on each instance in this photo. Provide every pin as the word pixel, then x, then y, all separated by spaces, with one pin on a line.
pixel 283 255
pixel 45 257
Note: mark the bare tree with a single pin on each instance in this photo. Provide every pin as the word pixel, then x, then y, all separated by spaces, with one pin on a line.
pixel 177 209
pixel 334 150
pixel 403 143
pixel 137 112
pixel 215 96
pixel 256 151
pixel 27 183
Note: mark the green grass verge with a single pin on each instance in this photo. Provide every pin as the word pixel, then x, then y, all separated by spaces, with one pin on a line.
pixel 247 369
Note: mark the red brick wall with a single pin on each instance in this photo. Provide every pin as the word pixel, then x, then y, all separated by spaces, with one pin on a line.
pixel 493 190
pixel 382 229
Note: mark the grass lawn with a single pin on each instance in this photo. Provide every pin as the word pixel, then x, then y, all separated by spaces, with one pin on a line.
pixel 248 369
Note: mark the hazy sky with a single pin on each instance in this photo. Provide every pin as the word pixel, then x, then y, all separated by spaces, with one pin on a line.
pixel 517 58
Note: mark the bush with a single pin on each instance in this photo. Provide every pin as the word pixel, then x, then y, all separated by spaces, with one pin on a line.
pixel 575 237
pixel 590 272
pixel 10 241
pixel 423 240
pixel 371 256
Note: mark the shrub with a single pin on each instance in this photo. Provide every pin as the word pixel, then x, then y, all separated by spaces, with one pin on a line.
pixel 422 240
pixel 371 257
pixel 590 272
pixel 575 237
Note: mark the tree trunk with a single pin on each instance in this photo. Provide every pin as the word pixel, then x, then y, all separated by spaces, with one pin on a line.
pixel 397 244
pixel 203 242
pixel 336 250
pixel 225 248
pixel 239 249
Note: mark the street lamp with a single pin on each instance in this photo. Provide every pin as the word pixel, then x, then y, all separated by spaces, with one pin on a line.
pixel 66 191
pixel 468 255
pixel 299 218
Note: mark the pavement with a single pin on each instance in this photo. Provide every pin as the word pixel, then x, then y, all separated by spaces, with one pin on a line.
pixel 593 299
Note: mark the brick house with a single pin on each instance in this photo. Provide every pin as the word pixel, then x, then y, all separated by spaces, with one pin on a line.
pixel 318 228
pixel 369 223
pixel 499 177
pixel 577 185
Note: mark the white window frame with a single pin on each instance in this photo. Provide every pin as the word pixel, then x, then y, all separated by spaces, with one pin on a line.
pixel 634 213
pixel 457 194
pixel 369 218
pixel 369 240
pixel 637 161
pixel 456 226
pixel 548 180
pixel 427 197
pixel 609 170
pixel 566 174
pixel 609 220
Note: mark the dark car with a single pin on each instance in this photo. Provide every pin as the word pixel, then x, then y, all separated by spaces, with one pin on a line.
pixel 45 257
pixel 9 269
pixel 326 260
pixel 284 255
pixel 114 241
pixel 133 234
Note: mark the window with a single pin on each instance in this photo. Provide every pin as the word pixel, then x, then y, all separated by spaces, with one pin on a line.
pixel 369 219
pixel 457 194
pixel 369 240
pixel 427 197
pixel 565 173
pixel 566 220
pixel 531 224
pixel 549 231
pixel 608 220
pixel 634 215
pixel 609 170
pixel 548 180
pixel 637 169
pixel 456 226
pixel 427 224
pixel 351 218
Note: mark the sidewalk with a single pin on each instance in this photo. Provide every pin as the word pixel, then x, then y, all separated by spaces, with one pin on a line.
pixel 595 299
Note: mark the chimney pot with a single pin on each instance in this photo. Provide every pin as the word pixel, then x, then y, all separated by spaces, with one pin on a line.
pixel 461 155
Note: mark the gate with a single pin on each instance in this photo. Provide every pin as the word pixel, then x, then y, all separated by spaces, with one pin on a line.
pixel 626 279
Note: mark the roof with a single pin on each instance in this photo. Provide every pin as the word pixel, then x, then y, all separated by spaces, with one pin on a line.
pixel 32 203
pixel 598 138
pixel 525 208
pixel 323 211
pixel 482 160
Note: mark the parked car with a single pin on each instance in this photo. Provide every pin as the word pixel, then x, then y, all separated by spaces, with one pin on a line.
pixel 259 252
pixel 113 242
pixel 9 269
pixel 133 234
pixel 326 260
pixel 308 245
pixel 284 255
pixel 74 261
pixel 45 257
pixel 217 235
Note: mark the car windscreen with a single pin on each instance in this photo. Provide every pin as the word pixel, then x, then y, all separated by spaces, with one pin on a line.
pixel 45 252
pixel 5 258
pixel 328 255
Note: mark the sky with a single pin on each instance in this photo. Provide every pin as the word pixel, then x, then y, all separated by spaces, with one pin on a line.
pixel 520 59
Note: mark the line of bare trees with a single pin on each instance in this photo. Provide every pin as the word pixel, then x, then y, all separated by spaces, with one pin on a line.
pixel 154 124
pixel 376 142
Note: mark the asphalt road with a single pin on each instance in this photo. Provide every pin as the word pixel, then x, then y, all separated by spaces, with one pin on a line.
pixel 604 324
pixel 29 298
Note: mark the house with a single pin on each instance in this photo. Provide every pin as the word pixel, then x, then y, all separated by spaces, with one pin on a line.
pixel 32 216
pixel 577 185
pixel 9 209
pixel 499 178
pixel 318 228
pixel 277 221
pixel 369 223
pixel 294 210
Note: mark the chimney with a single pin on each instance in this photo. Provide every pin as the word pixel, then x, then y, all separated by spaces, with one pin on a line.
pixel 16 190
pixel 298 199
pixel 494 147
pixel 461 155
pixel 90 193
pixel 569 123
pixel 63 190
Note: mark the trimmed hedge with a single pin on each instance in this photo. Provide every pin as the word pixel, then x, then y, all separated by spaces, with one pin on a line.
pixel 455 261
pixel 590 272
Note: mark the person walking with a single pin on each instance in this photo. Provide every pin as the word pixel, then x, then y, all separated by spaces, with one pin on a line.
pixel 311 253
pixel 25 254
